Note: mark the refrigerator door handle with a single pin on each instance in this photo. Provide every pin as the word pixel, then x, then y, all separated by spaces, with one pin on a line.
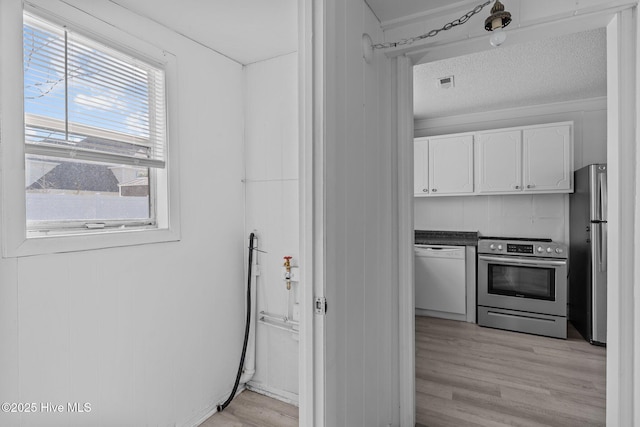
pixel 596 246
pixel 602 196
pixel 603 246
pixel 599 245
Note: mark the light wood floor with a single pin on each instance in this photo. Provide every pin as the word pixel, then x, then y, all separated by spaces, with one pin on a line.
pixel 251 409
pixel 467 375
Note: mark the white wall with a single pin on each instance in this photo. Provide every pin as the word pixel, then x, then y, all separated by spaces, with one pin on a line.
pixel 149 335
pixel 544 215
pixel 271 191
pixel 541 216
pixel 361 228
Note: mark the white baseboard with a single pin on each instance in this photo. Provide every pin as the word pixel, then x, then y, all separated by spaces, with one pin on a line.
pixel 281 395
pixel 196 420
pixel 442 315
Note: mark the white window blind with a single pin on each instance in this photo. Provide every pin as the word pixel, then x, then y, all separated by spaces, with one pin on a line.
pixel 89 102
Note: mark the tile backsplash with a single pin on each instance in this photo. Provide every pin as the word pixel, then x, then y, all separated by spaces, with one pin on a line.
pixel 527 215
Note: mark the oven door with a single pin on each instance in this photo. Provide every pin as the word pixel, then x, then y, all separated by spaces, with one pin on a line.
pixel 534 285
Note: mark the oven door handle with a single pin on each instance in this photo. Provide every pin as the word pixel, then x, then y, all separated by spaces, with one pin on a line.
pixel 537 263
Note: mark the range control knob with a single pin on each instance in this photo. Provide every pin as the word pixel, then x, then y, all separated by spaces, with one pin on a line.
pixel 492 247
pixel 540 249
pixel 549 250
pixel 499 247
pixel 559 250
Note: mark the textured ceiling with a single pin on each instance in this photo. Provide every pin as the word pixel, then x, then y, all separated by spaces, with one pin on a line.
pixel 552 70
pixel 244 30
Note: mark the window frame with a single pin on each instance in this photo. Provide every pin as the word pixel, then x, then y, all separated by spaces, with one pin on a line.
pixel 16 240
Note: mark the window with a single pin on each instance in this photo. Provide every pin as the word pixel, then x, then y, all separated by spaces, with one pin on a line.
pixel 94 123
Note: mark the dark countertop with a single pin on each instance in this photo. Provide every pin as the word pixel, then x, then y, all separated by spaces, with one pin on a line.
pixel 449 238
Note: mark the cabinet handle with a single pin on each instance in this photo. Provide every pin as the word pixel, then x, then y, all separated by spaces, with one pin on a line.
pixel 517 187
pixel 425 190
pixel 530 185
pixel 433 190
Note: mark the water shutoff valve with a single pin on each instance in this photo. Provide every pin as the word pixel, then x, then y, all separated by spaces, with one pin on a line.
pixel 289 272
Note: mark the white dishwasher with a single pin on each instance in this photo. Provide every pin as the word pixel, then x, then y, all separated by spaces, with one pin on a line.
pixel 440 281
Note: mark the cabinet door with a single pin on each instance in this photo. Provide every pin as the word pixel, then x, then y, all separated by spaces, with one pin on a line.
pixel 499 161
pixel 547 158
pixel 421 167
pixel 451 165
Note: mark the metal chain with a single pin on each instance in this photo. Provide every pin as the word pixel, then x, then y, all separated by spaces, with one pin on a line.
pixel 464 18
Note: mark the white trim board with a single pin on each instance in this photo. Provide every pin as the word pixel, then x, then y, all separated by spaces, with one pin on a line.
pixel 210 410
pixel 312 372
pixel 636 244
pixel 274 393
pixel 591 104
pixel 623 381
pixel 404 124
pixel 310 367
pixel 459 6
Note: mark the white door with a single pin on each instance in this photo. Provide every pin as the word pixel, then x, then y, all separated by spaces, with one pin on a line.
pixel 421 166
pixel 499 156
pixel 451 165
pixel 547 158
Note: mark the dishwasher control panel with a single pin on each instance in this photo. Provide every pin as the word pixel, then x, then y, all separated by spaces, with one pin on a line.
pixel 436 251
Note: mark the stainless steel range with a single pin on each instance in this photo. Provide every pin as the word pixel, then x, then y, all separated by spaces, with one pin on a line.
pixel 522 285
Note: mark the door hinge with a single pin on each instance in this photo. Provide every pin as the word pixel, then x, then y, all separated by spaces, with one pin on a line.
pixel 321 305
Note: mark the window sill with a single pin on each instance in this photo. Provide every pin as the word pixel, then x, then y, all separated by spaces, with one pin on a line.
pixel 90 241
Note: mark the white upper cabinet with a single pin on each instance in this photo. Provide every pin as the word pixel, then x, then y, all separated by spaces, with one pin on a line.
pixel 503 161
pixel 547 158
pixel 420 166
pixel 499 161
pixel 451 164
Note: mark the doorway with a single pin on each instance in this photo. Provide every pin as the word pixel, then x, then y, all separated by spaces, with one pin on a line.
pixel 620 39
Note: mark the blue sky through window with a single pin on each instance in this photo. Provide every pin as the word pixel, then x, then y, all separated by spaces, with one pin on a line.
pixel 103 91
pixel 43 72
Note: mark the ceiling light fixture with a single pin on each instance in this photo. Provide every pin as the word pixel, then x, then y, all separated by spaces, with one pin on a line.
pixel 496 22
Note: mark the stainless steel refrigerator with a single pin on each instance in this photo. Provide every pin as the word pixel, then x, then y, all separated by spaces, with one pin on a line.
pixel 588 253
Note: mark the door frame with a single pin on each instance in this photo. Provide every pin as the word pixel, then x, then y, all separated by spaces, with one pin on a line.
pixel 623 350
pixel 311 358
pixel 623 380
pixel 404 133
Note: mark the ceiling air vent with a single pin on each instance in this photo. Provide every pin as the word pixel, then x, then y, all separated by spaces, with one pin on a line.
pixel 445 82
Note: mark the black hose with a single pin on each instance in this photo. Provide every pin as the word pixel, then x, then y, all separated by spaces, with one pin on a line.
pixel 222 406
